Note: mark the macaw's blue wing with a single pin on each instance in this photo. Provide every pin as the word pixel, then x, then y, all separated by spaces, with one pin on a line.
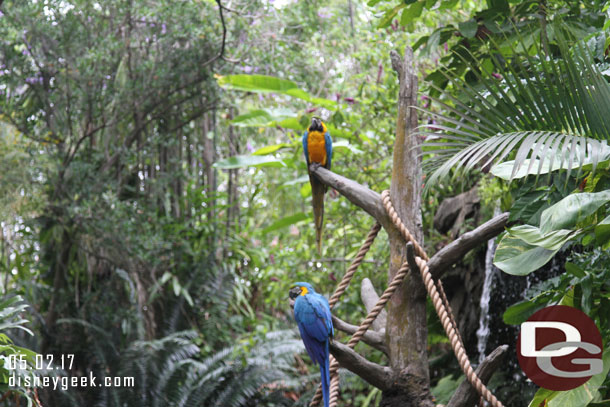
pixel 315 324
pixel 314 320
pixel 305 149
pixel 328 143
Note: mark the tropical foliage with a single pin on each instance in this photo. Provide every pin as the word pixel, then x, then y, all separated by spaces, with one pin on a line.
pixel 154 203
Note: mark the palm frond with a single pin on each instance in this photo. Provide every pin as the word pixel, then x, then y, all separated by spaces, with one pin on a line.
pixel 548 114
pixel 170 373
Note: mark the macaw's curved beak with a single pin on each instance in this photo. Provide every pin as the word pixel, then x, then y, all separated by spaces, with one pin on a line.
pixel 316 124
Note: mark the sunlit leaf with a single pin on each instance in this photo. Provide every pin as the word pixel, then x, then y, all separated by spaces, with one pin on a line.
pixel 271 84
pixel 571 210
pixel 514 256
pixel 549 114
pixel 292 124
pixel 270 149
pixel 256 83
pixel 582 395
pixel 411 13
pixel 389 15
pixel 241 161
pixel 552 240
pixel 262 117
pixel 306 190
pixel 348 145
pixel 287 221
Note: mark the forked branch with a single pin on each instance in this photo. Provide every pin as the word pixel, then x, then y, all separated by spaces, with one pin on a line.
pixel 466 395
pixel 454 251
pixel 371 202
pixel 377 375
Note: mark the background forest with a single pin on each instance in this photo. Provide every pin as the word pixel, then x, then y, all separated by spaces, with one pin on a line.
pixel 155 203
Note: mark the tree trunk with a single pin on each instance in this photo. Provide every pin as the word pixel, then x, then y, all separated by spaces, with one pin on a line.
pixel 232 200
pixel 406 329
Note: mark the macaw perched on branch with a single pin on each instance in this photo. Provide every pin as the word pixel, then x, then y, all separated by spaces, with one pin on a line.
pixel 318 148
pixel 312 313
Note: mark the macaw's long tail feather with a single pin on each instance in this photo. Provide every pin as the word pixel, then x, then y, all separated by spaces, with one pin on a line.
pixel 325 378
pixel 317 197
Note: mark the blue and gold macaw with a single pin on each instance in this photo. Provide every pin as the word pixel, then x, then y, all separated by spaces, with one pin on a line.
pixel 318 148
pixel 312 313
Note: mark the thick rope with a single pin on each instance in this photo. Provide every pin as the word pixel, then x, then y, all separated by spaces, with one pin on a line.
pixel 419 251
pixel 436 292
pixel 364 326
pixel 355 264
pixel 441 305
pixel 458 347
pixel 334 365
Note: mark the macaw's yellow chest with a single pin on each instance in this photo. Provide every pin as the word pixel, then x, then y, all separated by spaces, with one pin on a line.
pixel 317 147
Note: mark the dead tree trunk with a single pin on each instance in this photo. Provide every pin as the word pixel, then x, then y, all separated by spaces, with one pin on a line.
pixel 406 329
pixel 406 381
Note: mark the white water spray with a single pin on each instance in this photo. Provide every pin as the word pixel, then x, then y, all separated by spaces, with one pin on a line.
pixel 490 271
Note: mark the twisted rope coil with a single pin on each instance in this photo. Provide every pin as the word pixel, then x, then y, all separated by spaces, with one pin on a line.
pixel 435 291
pixel 441 305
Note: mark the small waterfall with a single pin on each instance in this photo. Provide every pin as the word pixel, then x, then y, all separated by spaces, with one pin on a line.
pixel 490 271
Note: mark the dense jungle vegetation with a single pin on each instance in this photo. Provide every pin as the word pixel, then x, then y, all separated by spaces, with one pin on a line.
pixel 155 203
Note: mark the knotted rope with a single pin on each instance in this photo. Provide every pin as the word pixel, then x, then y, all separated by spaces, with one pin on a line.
pixel 435 291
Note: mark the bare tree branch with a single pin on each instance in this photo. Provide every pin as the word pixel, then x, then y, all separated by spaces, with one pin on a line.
pixel 224 36
pixel 369 298
pixel 359 195
pixel 377 375
pixel 373 338
pixel 466 395
pixel 454 251
pixel 370 201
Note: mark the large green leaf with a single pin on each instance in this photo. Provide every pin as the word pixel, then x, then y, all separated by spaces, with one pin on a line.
pixel 286 221
pixel 533 236
pixel 505 170
pixel 514 256
pixel 301 94
pixel 542 395
pixel 270 149
pixel 292 124
pixel 262 117
pixel 468 28
pixel 256 83
pixel 571 210
pixel 411 13
pixel 583 395
pixel 602 231
pixel 271 84
pixel 520 312
pixel 389 15
pixel 241 161
pixel 527 207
